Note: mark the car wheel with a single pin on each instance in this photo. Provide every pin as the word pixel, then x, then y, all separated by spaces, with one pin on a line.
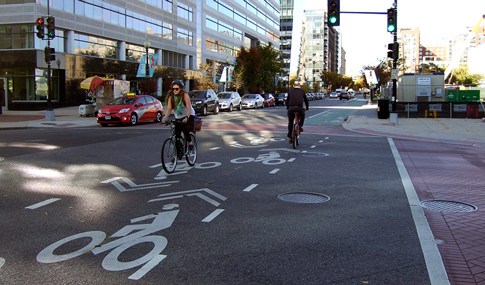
pixel 262 106
pixel 204 110
pixel 159 117
pixel 230 108
pixel 216 109
pixel 240 107
pixel 133 119
pixel 104 125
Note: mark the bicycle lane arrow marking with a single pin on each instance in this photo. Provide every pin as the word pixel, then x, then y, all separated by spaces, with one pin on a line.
pixel 134 186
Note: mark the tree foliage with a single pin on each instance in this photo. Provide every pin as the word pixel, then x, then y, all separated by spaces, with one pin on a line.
pixel 461 75
pixel 258 65
pixel 206 82
pixel 333 80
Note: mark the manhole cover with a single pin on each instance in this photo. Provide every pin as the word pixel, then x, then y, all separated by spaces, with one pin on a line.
pixel 303 197
pixel 447 206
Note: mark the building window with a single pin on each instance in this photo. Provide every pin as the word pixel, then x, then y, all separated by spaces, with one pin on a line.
pixel 185 36
pixel 184 11
pixel 16 36
pixel 94 46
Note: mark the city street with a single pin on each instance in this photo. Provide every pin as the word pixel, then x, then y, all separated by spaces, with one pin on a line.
pixel 94 205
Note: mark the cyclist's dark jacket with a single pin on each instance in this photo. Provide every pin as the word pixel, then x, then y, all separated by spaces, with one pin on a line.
pixel 296 97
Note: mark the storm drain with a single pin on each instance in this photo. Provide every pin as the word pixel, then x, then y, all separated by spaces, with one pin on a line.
pixel 303 197
pixel 447 206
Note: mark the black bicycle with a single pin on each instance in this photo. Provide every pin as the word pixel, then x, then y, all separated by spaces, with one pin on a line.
pixel 175 148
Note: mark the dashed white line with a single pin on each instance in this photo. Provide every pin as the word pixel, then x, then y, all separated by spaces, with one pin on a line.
pixel 46 202
pixel 214 148
pixel 313 146
pixel 291 159
pixel 212 215
pixel 250 187
pixel 274 171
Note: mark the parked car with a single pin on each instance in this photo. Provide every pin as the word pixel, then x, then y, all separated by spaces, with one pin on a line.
pixel 281 99
pixel 344 95
pixel 252 101
pixel 268 100
pixel 131 109
pixel 204 101
pixel 333 95
pixel 229 101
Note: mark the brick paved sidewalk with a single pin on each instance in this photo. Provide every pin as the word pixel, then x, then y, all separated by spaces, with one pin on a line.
pixel 454 173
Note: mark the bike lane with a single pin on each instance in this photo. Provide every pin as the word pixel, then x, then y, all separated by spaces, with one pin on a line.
pixel 242 233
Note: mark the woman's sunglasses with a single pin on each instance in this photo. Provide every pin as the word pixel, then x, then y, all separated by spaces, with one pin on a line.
pixel 175 89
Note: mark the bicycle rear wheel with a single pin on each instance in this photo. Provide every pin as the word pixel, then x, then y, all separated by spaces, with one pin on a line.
pixel 169 155
pixel 294 136
pixel 191 155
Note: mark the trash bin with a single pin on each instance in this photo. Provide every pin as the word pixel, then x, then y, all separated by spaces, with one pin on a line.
pixel 86 110
pixel 383 109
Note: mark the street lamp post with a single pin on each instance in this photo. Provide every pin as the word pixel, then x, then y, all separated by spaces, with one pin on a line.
pixel 227 73
pixel 147 67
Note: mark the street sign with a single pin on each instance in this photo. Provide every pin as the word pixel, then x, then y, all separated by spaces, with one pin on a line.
pixel 370 76
pixel 394 73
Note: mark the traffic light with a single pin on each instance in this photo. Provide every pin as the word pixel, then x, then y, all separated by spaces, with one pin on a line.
pixel 51 27
pixel 393 50
pixel 333 10
pixel 391 20
pixel 49 54
pixel 40 27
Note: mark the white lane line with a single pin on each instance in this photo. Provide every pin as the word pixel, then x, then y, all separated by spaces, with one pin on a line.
pixel 213 215
pixel 313 146
pixel 250 187
pixel 318 114
pixel 2 261
pixel 214 148
pixel 274 171
pixel 291 159
pixel 434 262
pixel 46 202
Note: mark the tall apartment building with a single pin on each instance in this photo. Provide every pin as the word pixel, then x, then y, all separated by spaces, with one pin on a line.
pixel 320 49
pixel 409 49
pixel 106 38
pixel 286 37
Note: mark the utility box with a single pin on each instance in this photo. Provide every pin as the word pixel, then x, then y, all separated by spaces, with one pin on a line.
pixel 456 95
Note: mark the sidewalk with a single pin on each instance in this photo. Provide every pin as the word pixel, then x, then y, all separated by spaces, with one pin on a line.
pixel 67 117
pixel 454 131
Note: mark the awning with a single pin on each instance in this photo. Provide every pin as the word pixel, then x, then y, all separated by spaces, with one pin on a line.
pixel 92 82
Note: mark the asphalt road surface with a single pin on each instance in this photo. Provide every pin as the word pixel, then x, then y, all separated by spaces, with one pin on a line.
pixel 94 206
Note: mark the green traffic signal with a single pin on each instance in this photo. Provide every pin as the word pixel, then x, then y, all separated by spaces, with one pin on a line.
pixel 391 19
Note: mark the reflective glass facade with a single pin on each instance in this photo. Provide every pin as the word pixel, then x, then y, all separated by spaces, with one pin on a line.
pixel 106 38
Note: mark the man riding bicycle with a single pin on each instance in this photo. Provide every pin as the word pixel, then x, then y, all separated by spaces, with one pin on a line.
pixel 294 103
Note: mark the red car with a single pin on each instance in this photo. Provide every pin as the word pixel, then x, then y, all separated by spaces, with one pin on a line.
pixel 268 100
pixel 131 109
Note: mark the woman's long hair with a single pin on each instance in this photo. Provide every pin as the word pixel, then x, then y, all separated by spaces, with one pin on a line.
pixel 171 97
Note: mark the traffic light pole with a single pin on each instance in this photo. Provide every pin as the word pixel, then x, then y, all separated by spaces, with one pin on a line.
pixel 49 114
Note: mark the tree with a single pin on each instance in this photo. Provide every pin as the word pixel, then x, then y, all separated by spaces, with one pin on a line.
pixel 462 75
pixel 237 79
pixel 428 68
pixel 258 65
pixel 207 80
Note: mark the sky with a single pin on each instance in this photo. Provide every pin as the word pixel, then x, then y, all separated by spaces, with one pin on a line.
pixel 365 37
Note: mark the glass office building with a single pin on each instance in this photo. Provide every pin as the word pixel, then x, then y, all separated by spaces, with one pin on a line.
pixel 108 39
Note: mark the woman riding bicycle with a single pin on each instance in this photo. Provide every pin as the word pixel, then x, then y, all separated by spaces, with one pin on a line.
pixel 178 103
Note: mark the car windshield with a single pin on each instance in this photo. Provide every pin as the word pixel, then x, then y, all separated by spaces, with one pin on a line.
pixel 197 94
pixel 281 96
pixel 266 96
pixel 224 95
pixel 123 101
pixel 249 96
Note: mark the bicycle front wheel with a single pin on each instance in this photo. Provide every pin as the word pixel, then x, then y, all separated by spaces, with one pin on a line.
pixel 169 155
pixel 191 155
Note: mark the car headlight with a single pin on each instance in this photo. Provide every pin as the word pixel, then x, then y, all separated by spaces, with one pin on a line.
pixel 198 102
pixel 124 110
